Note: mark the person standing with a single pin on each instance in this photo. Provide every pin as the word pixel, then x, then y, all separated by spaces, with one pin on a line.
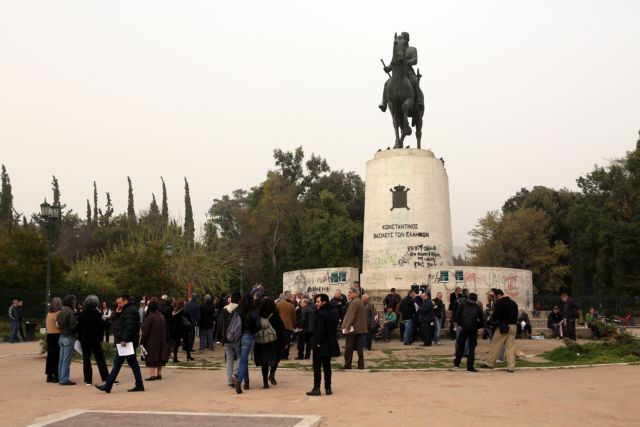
pixel 438 310
pixel 207 318
pixel 505 316
pixel 407 313
pixel 427 318
pixel 105 312
pixel 20 318
pixel 468 319
pixel 15 324
pixel 287 312
pixel 571 314
pixel 154 340
pixel 307 326
pixel 453 306
pixel 370 309
pixel 354 327
pixel 391 300
pixel 339 303
pixel 325 344
pixel 180 329
pixel 53 335
pixel 67 324
pixel 193 310
pixel 127 331
pixel 90 331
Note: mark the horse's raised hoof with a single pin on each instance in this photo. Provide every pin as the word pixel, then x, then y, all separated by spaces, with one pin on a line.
pixel 407 131
pixel 383 107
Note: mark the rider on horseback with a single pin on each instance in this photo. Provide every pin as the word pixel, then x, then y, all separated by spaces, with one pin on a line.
pixel 411 57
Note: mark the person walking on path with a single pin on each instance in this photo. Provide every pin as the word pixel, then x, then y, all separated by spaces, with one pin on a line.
pixel 231 349
pixel 154 340
pixel 127 331
pixel 90 332
pixel 269 341
pixel 469 319
pixel 505 317
pixel 207 318
pixel 53 336
pixel 325 344
pixel 67 324
pixel 250 325
pixel 354 327
pixel 15 324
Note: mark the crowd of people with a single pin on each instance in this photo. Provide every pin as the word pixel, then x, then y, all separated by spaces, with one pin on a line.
pixel 254 327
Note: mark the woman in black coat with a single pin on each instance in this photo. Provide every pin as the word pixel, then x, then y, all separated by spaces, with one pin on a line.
pixel 90 333
pixel 154 340
pixel 267 355
pixel 180 327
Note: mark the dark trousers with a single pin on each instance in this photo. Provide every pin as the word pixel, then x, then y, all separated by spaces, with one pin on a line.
pixel 285 351
pixel 427 332
pixel 132 361
pixel 304 345
pixel 470 338
pixel 94 348
pixel 191 339
pixel 107 330
pixel 386 330
pixel 570 329
pixel 369 339
pixel 353 342
pixel 401 331
pixel 185 344
pixel 324 364
pixel 53 355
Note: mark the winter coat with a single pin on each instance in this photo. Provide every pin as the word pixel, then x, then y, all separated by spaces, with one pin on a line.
pixel 287 313
pixel 154 338
pixel 426 314
pixel 128 329
pixel 90 327
pixel 207 315
pixel 269 353
pixel 356 317
pixel 326 335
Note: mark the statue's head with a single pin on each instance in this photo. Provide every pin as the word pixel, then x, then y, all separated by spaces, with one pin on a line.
pixel 405 36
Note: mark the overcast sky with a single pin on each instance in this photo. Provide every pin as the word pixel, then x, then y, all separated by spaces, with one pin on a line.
pixel 518 93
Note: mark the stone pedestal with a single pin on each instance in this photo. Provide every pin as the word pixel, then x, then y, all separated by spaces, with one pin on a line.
pixel 407 222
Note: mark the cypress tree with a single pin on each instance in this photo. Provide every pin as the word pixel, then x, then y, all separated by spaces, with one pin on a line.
pixel 131 212
pixel 153 209
pixel 6 198
pixel 109 210
pixel 189 227
pixel 95 203
pixel 56 195
pixel 89 221
pixel 165 205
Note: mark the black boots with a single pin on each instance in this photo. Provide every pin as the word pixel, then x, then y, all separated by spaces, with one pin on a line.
pixel 314 392
pixel 237 384
pixel 327 391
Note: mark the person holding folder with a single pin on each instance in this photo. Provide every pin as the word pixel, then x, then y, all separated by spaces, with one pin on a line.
pixel 126 339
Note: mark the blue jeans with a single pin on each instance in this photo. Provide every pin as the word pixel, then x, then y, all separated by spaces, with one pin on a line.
pixel 206 339
pixel 66 352
pixel 246 343
pixel 408 331
pixel 118 361
pixel 436 326
pixel 13 334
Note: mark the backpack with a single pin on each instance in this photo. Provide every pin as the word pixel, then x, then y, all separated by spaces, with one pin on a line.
pixel 266 334
pixel 469 317
pixel 234 328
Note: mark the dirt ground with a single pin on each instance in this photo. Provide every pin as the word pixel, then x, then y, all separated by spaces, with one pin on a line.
pixel 587 396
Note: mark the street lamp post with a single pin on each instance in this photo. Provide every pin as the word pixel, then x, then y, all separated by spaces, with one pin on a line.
pixel 169 250
pixel 49 214
pixel 241 276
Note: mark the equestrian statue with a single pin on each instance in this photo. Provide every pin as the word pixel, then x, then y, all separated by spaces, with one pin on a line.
pixel 402 90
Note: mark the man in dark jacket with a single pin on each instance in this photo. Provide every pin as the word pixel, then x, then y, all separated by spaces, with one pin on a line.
pixel 505 317
pixel 407 312
pixel 193 308
pixel 307 324
pixel 339 303
pixel 571 314
pixel 554 322
pixel 207 318
pixel 427 318
pixel 127 332
pixel 391 300
pixel 469 319
pixel 68 326
pixel 325 344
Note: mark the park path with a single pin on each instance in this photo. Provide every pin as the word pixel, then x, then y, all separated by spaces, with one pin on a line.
pixel 571 397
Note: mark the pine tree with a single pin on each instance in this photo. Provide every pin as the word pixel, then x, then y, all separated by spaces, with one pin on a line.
pixel 189 227
pixel 24 221
pixel 95 203
pixel 56 195
pixel 6 198
pixel 153 209
pixel 131 212
pixel 89 221
pixel 165 205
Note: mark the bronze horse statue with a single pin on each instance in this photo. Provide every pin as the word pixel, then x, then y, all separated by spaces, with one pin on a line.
pixel 401 96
